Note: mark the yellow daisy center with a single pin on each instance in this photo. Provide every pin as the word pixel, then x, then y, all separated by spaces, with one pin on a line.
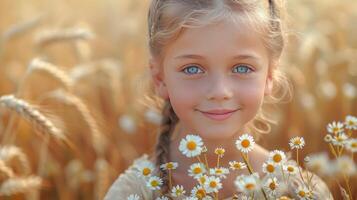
pixel 354 145
pixel 191 145
pixel 249 186
pixel 197 170
pixel 291 169
pixel 272 186
pixel 237 166
pixel 200 193
pixel 146 171
pixel 297 142
pixel 202 179
pixel 302 193
pixel 154 183
pixel 213 184
pixel 270 168
pixel 277 158
pixel 169 166
pixel 218 171
pixel 245 143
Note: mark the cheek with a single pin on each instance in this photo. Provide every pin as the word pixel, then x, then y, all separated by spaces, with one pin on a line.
pixel 252 94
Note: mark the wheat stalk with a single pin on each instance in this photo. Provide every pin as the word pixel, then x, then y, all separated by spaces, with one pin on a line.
pixel 35 117
pixel 17 185
pixel 98 140
pixel 102 178
pixel 13 156
pixel 47 37
pixel 60 75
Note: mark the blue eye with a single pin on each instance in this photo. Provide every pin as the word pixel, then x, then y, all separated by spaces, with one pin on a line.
pixel 242 69
pixel 192 69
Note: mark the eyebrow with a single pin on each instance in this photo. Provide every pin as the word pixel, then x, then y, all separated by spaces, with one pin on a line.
pixel 194 56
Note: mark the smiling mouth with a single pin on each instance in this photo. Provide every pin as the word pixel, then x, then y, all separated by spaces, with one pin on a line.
pixel 219 115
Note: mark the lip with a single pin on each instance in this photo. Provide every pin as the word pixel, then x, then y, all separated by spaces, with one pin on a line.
pixel 219 114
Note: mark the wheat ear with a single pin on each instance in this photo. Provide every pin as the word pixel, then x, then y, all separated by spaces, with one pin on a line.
pixel 55 72
pixel 17 185
pixel 47 37
pixel 35 117
pixel 15 158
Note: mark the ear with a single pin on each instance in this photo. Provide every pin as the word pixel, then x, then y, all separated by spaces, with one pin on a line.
pixel 158 78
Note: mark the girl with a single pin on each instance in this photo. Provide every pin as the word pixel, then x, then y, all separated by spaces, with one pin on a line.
pixel 215 63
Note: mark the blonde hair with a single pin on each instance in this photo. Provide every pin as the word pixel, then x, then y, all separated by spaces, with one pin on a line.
pixel 166 20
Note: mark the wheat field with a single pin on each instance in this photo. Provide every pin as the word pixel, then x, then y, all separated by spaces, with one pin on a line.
pixel 73 114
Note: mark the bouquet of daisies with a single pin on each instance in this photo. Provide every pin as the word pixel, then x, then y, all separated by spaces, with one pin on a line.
pixel 282 176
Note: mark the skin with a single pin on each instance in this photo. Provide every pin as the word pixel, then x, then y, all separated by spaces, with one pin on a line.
pixel 222 65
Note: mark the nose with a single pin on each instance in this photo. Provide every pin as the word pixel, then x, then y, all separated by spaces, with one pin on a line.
pixel 219 89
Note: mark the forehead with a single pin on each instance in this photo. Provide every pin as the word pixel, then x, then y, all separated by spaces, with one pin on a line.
pixel 221 39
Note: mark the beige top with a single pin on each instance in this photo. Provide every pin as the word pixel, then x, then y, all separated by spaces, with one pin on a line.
pixel 130 183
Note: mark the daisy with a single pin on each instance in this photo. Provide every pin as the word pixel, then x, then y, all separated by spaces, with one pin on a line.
pixel 328 138
pixel 351 122
pixel 221 172
pixel 219 152
pixel 335 127
pixel 234 165
pixel 245 143
pixel 213 184
pixel 154 183
pixel 247 183
pixel 345 165
pixel 145 168
pixel 191 146
pixel 133 197
pixel 199 192
pixel 297 142
pixel 351 145
pixel 169 166
pixel 162 198
pixel 291 169
pixel 272 186
pixel 191 198
pixel 319 163
pixel 177 191
pixel 277 157
pixel 339 139
pixel 269 167
pixel 303 193
pixel 196 169
pixel 201 179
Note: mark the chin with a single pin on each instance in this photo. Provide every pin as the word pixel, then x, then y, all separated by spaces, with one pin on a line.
pixel 217 133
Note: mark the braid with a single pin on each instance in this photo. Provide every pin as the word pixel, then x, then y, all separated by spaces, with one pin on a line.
pixel 162 148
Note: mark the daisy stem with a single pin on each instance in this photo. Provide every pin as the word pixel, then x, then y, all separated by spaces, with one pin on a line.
pixel 333 150
pixel 206 162
pixel 217 161
pixel 297 161
pixel 199 159
pixel 216 195
pixel 170 179
pixel 347 185
pixel 340 151
pixel 250 169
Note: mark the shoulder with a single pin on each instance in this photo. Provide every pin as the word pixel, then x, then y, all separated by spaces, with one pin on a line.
pixel 130 182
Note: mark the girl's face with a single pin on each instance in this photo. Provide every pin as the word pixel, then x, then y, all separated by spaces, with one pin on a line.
pixel 210 69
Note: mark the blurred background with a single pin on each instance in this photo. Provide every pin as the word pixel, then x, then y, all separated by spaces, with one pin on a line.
pixel 90 81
